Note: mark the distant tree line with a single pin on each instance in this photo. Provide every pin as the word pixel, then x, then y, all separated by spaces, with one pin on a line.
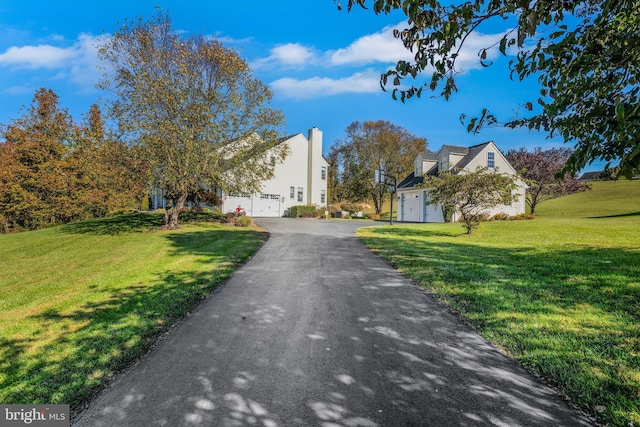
pixel 54 171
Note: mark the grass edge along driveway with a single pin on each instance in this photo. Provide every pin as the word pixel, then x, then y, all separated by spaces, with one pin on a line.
pixel 81 302
pixel 560 295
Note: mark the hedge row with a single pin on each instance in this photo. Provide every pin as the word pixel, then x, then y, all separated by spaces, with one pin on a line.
pixel 303 211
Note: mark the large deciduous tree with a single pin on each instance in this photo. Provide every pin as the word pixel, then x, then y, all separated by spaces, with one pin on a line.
pixel 470 193
pixel 539 169
pixel 193 105
pixel 584 53
pixel 367 145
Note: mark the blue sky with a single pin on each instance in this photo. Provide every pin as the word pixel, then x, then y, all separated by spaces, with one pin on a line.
pixel 322 64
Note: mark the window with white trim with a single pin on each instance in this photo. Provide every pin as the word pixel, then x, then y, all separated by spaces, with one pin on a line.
pixel 300 193
pixel 323 196
pixel 323 172
pixel 292 192
pixel 491 160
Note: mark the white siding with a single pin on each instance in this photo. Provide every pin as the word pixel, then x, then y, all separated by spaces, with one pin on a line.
pixel 302 168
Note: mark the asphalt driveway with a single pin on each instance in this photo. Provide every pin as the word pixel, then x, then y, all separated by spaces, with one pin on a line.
pixel 315 330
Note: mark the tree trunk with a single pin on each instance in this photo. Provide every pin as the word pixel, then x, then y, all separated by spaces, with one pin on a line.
pixel 377 203
pixel 172 213
pixel 532 200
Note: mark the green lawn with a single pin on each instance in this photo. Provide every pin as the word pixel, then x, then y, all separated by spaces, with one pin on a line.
pixel 80 302
pixel 560 293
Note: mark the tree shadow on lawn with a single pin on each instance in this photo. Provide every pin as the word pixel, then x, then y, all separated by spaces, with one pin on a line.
pixel 618 215
pixel 99 339
pixel 134 222
pixel 565 313
pixel 114 225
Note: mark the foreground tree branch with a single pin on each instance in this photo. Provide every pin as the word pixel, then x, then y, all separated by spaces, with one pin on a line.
pixel 584 54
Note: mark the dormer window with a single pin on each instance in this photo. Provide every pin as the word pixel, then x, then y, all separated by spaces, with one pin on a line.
pixel 491 160
pixel 444 163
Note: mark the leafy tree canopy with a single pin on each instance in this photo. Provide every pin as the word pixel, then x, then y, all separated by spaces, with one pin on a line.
pixel 367 144
pixel 194 107
pixel 584 53
pixel 53 171
pixel 539 169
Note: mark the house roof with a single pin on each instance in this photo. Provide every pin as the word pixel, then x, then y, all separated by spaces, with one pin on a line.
pixel 411 181
pixel 591 176
pixel 455 149
pixel 429 156
pixel 469 153
pixel 286 138
pixel 472 152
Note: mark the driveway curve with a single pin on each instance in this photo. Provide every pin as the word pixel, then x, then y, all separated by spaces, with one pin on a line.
pixel 315 330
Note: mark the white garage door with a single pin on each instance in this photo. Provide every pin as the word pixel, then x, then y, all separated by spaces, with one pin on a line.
pixel 267 205
pixel 410 207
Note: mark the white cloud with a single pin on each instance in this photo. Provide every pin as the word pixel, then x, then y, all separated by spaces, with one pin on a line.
pixel 290 55
pixel 384 47
pixel 77 62
pixel 378 47
pixel 363 82
pixel 41 56
pixel 20 90
pixel 84 71
pixel 468 58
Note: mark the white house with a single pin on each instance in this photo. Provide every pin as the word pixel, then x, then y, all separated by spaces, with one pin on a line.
pixel 300 180
pixel 412 199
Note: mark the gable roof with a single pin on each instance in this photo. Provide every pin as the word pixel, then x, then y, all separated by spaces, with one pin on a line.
pixel 456 149
pixel 412 180
pixel 429 156
pixel 591 176
pixel 286 138
pixel 472 152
